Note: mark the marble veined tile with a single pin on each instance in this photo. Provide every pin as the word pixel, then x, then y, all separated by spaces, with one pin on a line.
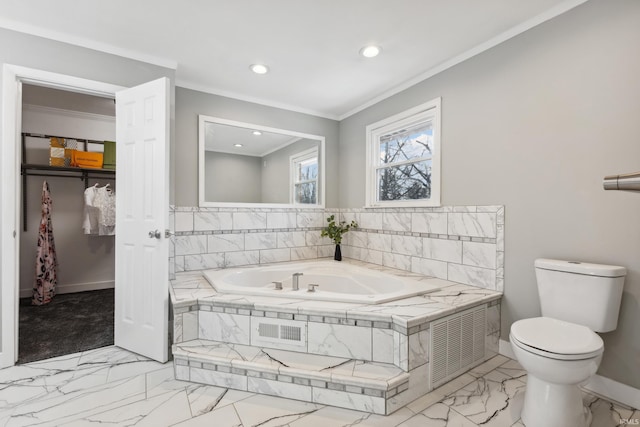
pixel 281 220
pixel 435 223
pixel 204 399
pixel 225 242
pixel 249 220
pixel 225 416
pixel 311 362
pixel 269 411
pixel 479 254
pixel 161 410
pixel 343 399
pixel 330 416
pixel 474 276
pixel 369 370
pixel 279 388
pixel 65 407
pixel 406 245
pixel 472 224
pixel 212 221
pixel 610 414
pixel 396 221
pixel 231 328
pixel 457 295
pixel 198 349
pixel 438 415
pixel 254 241
pixel 493 400
pixel 339 340
pixel 190 245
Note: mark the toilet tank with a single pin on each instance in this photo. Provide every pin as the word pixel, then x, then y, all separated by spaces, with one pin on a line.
pixel 582 293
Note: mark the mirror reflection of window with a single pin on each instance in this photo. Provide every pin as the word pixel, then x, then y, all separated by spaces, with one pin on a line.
pixel 305 177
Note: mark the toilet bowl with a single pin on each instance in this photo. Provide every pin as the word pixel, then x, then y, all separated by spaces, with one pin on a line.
pixel 561 350
pixel 558 356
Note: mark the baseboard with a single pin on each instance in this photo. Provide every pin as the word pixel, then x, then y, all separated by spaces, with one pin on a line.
pixel 74 287
pixel 602 386
pixel 613 390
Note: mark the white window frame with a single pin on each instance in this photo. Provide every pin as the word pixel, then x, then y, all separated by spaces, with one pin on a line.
pixel 300 157
pixel 429 111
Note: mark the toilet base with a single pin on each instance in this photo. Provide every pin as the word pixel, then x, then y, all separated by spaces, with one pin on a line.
pixel 553 405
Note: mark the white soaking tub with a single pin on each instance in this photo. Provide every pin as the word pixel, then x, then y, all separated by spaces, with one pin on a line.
pixel 337 281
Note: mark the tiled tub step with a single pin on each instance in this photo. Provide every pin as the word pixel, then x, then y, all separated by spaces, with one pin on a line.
pixel 347 383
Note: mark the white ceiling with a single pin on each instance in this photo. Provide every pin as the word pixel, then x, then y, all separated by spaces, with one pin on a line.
pixel 311 46
pixel 221 138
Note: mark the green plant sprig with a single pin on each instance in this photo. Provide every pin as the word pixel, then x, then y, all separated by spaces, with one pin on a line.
pixel 334 230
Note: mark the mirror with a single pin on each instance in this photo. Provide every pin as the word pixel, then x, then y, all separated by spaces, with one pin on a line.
pixel 244 165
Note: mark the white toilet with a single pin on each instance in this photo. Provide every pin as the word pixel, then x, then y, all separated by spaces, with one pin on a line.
pixel 560 351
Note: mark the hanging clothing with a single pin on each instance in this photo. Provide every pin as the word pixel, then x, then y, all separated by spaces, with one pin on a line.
pixel 91 213
pixel 99 211
pixel 46 260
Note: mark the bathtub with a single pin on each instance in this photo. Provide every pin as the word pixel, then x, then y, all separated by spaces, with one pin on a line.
pixel 337 281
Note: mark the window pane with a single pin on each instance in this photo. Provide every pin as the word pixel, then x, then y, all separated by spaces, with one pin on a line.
pixel 305 193
pixel 407 144
pixel 307 169
pixel 406 182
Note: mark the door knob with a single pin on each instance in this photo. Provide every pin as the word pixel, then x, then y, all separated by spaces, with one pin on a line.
pixel 155 234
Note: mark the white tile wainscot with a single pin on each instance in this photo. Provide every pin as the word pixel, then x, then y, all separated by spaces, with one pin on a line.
pixel 463 244
pixel 372 358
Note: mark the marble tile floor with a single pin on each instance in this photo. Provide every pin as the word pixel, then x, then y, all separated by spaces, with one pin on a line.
pixel 110 386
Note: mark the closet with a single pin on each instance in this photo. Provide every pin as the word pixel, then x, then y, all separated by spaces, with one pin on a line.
pixel 81 314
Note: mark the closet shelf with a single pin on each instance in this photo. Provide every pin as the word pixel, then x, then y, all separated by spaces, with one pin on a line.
pixel 31 169
pixel 64 171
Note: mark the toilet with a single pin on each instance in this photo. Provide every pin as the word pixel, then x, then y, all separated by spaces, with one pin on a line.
pixel 560 350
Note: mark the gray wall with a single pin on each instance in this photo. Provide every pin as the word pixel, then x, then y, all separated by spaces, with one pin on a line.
pixel 190 103
pixel 275 175
pixel 534 124
pixel 35 52
pixel 232 178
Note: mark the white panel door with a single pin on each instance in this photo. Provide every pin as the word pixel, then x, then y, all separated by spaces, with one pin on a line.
pixel 142 204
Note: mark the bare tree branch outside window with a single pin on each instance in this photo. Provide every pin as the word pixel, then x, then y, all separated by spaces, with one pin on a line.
pixel 405 164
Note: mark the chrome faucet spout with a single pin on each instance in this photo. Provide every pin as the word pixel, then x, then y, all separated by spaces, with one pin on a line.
pixel 294 281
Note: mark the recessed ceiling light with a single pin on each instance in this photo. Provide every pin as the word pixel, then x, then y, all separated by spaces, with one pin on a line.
pixel 259 69
pixel 370 51
pixel 237 145
pixel 257 133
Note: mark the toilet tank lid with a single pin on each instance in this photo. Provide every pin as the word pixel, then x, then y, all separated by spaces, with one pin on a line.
pixel 581 268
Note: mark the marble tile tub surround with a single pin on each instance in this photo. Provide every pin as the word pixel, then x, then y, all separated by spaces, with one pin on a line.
pixel 463 244
pixel 392 332
pixel 231 237
pixel 390 337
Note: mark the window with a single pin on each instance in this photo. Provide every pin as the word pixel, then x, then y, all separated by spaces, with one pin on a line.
pixel 304 177
pixel 403 158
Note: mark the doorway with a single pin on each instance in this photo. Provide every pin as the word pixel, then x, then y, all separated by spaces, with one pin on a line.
pixel 81 315
pixel 144 129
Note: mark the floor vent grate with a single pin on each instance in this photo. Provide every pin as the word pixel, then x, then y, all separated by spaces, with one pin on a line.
pixel 278 333
pixel 457 344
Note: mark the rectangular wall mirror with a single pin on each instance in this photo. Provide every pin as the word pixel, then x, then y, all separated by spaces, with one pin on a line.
pixel 246 165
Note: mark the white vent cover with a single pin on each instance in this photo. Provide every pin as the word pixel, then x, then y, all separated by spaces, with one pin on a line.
pixel 278 333
pixel 457 344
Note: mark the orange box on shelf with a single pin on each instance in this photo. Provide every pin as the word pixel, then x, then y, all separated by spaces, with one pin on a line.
pixel 86 159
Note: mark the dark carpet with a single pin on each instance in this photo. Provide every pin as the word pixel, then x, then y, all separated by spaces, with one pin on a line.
pixel 70 323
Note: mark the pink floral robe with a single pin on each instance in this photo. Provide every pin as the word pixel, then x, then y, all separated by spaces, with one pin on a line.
pixel 46 261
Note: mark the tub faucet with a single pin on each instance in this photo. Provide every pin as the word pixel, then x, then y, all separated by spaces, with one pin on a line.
pixel 294 281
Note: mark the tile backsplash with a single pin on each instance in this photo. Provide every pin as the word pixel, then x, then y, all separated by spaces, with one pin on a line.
pixel 463 244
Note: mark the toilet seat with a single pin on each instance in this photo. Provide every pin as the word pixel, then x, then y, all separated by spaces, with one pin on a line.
pixel 556 339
